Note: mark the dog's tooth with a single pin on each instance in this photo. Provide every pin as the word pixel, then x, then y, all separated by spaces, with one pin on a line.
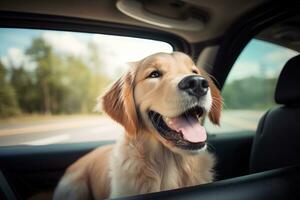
pixel 167 119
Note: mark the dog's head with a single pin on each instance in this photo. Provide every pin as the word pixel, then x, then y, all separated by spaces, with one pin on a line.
pixel 165 95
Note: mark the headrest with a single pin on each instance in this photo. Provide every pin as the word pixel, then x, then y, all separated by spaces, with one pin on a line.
pixel 288 86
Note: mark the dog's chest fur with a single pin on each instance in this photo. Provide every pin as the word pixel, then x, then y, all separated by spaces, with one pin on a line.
pixel 134 170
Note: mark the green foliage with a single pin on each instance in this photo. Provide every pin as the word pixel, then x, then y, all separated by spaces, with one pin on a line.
pixel 58 84
pixel 47 75
pixel 22 82
pixel 81 86
pixel 8 101
pixel 249 93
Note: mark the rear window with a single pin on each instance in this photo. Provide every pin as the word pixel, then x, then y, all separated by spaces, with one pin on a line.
pixel 50 81
pixel 250 86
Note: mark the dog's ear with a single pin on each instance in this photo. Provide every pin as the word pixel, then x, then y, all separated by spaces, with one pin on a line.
pixel 118 103
pixel 217 101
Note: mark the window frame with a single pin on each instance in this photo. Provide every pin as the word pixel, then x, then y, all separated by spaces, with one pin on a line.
pixel 241 32
pixel 91 111
pixel 259 111
pixel 62 23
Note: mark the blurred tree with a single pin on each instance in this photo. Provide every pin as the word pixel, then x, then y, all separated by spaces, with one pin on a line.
pixel 83 86
pixel 97 85
pixel 98 80
pixel 249 93
pixel 28 97
pixel 60 83
pixel 94 56
pixel 8 101
pixel 48 74
pixel 76 84
pixel 40 52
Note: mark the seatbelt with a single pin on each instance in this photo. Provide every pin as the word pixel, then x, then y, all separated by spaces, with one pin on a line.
pixel 5 189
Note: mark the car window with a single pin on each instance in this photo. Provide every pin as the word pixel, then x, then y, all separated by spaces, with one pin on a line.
pixel 250 86
pixel 50 81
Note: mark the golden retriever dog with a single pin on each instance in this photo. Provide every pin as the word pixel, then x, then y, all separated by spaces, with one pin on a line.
pixel 160 102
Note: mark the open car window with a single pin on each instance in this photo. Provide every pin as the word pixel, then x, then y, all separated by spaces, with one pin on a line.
pixel 50 81
pixel 250 86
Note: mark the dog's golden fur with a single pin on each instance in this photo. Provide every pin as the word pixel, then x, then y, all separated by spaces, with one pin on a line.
pixel 142 161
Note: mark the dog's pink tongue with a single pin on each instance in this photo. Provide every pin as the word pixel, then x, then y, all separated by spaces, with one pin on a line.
pixel 189 127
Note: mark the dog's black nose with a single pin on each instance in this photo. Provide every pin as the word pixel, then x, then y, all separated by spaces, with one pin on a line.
pixel 194 85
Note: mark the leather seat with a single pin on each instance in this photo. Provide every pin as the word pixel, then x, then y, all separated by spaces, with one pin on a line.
pixel 277 140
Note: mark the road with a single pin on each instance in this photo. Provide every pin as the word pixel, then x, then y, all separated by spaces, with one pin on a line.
pixel 96 128
pixel 235 121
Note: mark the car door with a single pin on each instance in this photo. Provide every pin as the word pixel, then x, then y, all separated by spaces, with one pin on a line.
pixel 36 166
pixel 51 82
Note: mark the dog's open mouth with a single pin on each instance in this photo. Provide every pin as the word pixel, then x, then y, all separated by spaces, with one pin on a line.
pixel 185 130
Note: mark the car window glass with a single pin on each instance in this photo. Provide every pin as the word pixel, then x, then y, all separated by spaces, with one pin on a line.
pixel 250 86
pixel 50 81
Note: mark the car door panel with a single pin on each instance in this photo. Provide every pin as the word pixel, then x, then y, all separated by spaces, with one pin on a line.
pixel 32 169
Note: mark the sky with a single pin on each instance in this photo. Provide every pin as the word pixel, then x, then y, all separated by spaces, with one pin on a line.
pixel 258 57
pixel 115 51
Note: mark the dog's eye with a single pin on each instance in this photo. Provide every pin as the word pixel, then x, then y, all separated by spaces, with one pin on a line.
pixel 195 71
pixel 155 74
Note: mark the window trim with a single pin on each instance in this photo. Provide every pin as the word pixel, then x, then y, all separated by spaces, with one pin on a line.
pixel 242 31
pixel 61 23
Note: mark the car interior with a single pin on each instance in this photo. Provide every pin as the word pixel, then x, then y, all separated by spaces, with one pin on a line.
pixel 261 164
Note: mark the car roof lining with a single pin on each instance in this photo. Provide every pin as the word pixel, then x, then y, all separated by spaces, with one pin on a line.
pixel 49 22
pixel 285 33
pixel 246 28
pixel 217 18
